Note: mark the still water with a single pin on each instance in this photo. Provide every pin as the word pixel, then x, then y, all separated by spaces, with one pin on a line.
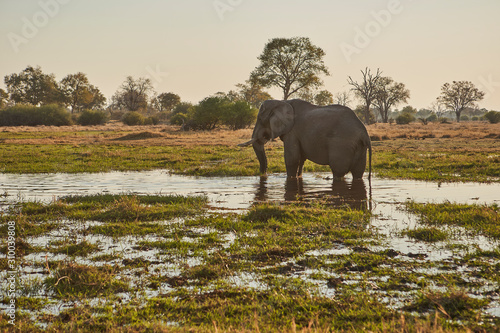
pixel 229 193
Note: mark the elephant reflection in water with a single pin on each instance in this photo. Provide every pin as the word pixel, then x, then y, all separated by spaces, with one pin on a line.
pixel 353 194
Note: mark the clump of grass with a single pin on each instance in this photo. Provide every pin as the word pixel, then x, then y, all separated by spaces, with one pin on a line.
pixel 133 208
pixel 120 229
pixel 74 280
pixel 452 304
pixel 478 219
pixel 84 248
pixel 424 234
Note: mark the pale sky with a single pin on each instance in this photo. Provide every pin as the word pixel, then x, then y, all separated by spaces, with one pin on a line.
pixel 196 48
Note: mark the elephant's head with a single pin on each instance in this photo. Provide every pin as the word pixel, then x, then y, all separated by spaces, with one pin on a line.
pixel 275 119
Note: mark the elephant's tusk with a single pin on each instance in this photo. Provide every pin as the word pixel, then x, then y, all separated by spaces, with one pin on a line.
pixel 248 143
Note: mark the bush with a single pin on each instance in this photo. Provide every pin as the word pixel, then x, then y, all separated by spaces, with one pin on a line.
pixel 433 117
pixel 493 116
pixel 208 114
pixel 404 118
pixel 464 118
pixel 152 120
pixel 29 115
pixel 239 115
pixel 133 118
pixel 179 119
pixel 92 117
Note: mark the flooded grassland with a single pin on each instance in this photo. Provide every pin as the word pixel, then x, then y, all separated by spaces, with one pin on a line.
pixel 159 249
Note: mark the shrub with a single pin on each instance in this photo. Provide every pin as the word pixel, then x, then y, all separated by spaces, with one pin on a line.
pixel 179 119
pixel 92 117
pixel 29 115
pixel 208 114
pixel 239 115
pixel 404 118
pixel 133 118
pixel 464 118
pixel 433 117
pixel 493 116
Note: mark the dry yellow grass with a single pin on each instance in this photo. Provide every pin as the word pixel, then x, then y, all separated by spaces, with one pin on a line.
pixel 111 133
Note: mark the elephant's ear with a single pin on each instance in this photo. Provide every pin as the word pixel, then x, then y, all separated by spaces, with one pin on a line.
pixel 280 115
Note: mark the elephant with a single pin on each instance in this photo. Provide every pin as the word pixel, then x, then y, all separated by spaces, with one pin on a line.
pixel 327 135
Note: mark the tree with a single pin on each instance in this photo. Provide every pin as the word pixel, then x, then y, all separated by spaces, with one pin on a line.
pixel 168 101
pixel 208 113
pixel 343 98
pixel 3 97
pixel 239 114
pixel 291 64
pixel 32 86
pixel 252 93
pixel 367 89
pixel 438 108
pixel 459 95
pixel 79 93
pixel 324 97
pixel 133 94
pixel 388 94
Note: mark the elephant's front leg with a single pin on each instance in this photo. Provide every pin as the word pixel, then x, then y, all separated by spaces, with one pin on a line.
pixel 293 160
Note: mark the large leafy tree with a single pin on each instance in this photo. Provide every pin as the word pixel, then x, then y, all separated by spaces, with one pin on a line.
pixel 459 95
pixel 32 86
pixel 366 90
pixel 252 93
pixel 389 94
pixel 133 94
pixel 324 97
pixel 79 93
pixel 292 64
pixel 168 101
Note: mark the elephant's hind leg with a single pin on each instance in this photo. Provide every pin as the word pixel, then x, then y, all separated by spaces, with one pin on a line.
pixel 359 163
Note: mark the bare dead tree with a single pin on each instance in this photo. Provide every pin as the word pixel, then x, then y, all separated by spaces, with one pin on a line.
pixel 343 98
pixel 366 89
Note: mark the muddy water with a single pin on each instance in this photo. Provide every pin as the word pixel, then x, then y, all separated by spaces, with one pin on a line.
pixel 241 192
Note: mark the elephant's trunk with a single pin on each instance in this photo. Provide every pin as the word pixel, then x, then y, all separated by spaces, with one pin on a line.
pixel 261 156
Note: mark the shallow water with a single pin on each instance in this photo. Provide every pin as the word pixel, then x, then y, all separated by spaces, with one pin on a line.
pixel 382 196
pixel 241 192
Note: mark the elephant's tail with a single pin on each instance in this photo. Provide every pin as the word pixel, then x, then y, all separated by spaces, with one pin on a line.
pixel 369 160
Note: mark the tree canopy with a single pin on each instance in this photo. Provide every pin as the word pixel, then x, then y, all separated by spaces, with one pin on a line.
pixel 80 94
pixel 168 101
pixel 459 95
pixel 252 93
pixel 32 86
pixel 133 94
pixel 291 64
pixel 388 94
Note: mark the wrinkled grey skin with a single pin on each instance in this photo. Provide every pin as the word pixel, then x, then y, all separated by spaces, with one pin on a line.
pixel 327 135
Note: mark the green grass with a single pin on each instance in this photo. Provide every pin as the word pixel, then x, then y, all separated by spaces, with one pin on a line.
pixel 71 280
pixel 427 234
pixel 443 164
pixel 251 272
pixel 477 219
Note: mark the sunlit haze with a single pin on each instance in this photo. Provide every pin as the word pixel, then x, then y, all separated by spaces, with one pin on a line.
pixel 196 48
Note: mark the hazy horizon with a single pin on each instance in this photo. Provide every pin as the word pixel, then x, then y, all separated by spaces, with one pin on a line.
pixel 196 48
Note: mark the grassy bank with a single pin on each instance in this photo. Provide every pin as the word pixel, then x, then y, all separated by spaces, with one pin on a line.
pixel 436 152
pixel 161 263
